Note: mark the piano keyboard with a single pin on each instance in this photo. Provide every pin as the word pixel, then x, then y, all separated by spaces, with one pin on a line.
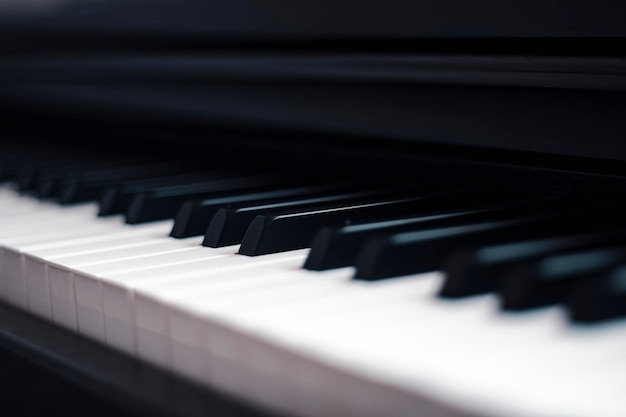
pixel 349 301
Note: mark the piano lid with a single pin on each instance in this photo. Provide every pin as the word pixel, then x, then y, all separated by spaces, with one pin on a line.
pixel 335 20
pixel 535 76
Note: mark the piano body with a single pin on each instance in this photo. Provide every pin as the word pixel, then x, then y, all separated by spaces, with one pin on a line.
pixel 330 208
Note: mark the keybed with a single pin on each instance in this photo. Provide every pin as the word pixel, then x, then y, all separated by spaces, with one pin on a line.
pixel 436 325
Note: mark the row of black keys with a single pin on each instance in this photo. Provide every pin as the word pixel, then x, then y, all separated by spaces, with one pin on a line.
pixel 533 248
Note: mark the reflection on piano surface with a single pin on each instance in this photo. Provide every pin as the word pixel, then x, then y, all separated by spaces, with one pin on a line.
pixel 365 219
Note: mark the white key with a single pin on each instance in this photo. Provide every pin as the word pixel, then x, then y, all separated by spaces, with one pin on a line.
pixel 343 294
pixel 117 291
pixel 88 276
pixel 87 290
pixel 62 278
pixel 152 297
pixel 225 368
pixel 426 357
pixel 80 227
pixel 12 265
pixel 61 233
pixel 110 246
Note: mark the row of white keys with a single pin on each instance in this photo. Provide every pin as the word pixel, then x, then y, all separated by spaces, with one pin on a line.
pixel 357 331
pixel 118 290
pixel 478 323
pixel 44 222
pixel 75 236
pixel 48 242
pixel 316 343
pixel 90 276
pixel 153 298
pixel 239 350
pixel 469 354
pixel 43 250
pixel 48 232
pixel 57 259
pixel 75 232
pixel 185 338
pixel 129 248
pixel 232 374
pixel 126 243
pixel 134 243
pixel 55 256
pixel 228 294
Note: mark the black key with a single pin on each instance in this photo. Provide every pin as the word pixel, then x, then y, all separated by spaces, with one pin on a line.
pixel 339 247
pixel 194 217
pixel 545 282
pixel 115 199
pixel 21 162
pixel 424 251
pixel 284 232
pixel 50 181
pixel 477 270
pixel 598 298
pixel 163 203
pixel 42 160
pixel 90 185
pixel 229 226
pixel 29 173
pixel 289 231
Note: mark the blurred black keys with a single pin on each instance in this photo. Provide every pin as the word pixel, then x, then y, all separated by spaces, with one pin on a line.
pixel 544 282
pixel 423 251
pixel 600 297
pixel 50 181
pixel 338 247
pixel 29 172
pixel 283 232
pixel 72 176
pixel 22 160
pixel 89 185
pixel 476 270
pixel 295 230
pixel 229 226
pixel 85 182
pixel 164 202
pixel 115 199
pixel 194 216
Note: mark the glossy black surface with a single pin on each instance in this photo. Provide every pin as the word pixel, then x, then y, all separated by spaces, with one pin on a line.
pixel 229 225
pixel 339 246
pixel 116 198
pixel 164 202
pixel 195 216
pixel 473 271
pixel 598 298
pixel 426 250
pixel 545 282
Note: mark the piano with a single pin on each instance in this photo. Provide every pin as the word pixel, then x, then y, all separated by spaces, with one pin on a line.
pixel 330 208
